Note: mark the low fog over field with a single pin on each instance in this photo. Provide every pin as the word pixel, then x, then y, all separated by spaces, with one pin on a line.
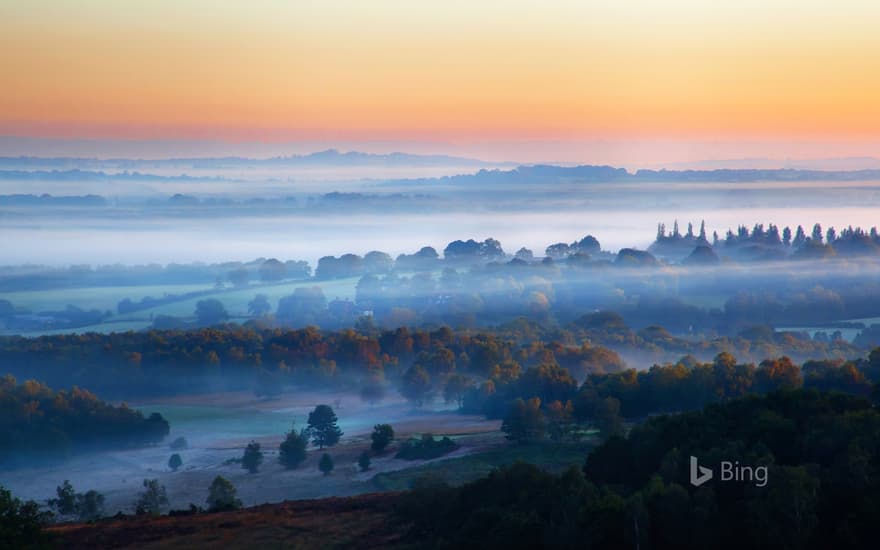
pixel 440 295
pixel 218 426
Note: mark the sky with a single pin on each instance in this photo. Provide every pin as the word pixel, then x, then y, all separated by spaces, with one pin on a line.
pixel 534 80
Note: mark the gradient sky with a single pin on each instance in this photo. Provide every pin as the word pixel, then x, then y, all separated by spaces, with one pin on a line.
pixel 460 71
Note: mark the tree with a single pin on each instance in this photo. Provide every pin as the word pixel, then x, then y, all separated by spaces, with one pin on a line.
pixel 323 427
pixel 326 464
pixel 373 392
pixel 252 458
pixel 210 312
pixel 179 444
pixel 559 419
pixel 65 504
pixel 524 421
pixel 87 506
pixel 272 270
pixel 153 499
pixel 524 254
pixel 608 420
pixel 239 277
pixel 382 435
pixel 415 385
pixel 590 245
pixel 456 387
pixel 292 451
pixel 90 505
pixel 175 462
pixel 364 461
pixel 21 523
pixel 259 306
pixel 378 262
pixel 304 306
pixel 557 251
pixel 221 496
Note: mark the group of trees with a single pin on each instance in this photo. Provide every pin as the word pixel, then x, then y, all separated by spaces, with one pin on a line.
pixel 690 384
pixel 822 452
pixel 69 504
pixel 164 362
pixel 31 277
pixel 770 243
pixel 547 402
pixel 39 424
pixel 323 431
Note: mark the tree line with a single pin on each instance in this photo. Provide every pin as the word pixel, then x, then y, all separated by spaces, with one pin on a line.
pixel 39 424
pixel 821 451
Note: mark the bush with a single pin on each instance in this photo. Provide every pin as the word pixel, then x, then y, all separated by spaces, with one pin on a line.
pixel 175 462
pixel 364 461
pixel 326 464
pixel 292 451
pixel 21 523
pixel 153 499
pixel 425 448
pixel 382 435
pixel 221 496
pixel 252 458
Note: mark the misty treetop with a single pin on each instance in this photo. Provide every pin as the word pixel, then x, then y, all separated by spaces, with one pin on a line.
pixel 167 362
pixel 39 424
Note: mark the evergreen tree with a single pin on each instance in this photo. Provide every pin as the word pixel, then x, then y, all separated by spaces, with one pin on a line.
pixel 323 427
pixel 252 458
pixel 292 451
pixel 364 461
pixel 326 464
pixel 382 435
pixel 175 462
pixel 221 496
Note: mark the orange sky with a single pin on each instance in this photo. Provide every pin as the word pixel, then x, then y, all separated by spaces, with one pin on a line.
pixel 453 70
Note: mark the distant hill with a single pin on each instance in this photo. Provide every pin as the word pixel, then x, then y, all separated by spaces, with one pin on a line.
pixel 528 175
pixel 587 173
pixel 327 158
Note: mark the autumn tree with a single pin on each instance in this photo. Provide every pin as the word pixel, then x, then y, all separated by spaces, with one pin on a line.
pixel 415 385
pixel 524 421
pixel 456 387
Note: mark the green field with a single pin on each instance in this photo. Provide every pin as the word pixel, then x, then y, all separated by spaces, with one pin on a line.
pixel 106 298
pixel 551 456
pixel 102 298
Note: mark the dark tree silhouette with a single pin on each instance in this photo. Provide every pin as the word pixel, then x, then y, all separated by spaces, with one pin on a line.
pixel 175 462
pixel 323 427
pixel 221 496
pixel 252 458
pixel 382 435
pixel 292 451
pixel 326 464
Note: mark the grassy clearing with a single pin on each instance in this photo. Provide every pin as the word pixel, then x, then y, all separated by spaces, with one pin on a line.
pixel 102 298
pixel 554 457
pixel 106 298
